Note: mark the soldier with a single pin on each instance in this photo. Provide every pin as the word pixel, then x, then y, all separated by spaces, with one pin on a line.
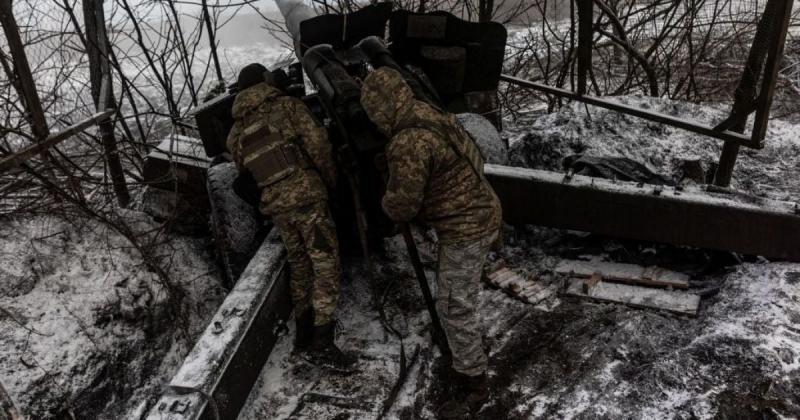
pixel 275 140
pixel 436 174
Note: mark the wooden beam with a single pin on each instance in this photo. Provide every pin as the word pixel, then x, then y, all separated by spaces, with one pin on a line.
pixel 678 122
pixel 640 297
pixel 527 290
pixel 771 69
pixel 16 159
pixel 625 273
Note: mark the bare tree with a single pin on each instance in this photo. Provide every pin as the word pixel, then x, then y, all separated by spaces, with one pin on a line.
pixel 102 91
pixel 20 74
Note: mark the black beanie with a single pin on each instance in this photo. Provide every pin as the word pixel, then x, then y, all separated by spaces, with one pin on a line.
pixel 251 75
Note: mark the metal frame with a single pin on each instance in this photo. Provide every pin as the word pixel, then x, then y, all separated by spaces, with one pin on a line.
pixel 218 375
pixel 722 220
pixel 777 25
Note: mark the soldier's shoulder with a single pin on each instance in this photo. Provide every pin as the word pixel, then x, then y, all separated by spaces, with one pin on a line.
pixel 421 134
pixel 414 139
pixel 290 102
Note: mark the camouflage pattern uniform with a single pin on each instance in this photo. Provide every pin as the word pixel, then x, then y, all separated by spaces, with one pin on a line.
pixel 430 178
pixel 269 124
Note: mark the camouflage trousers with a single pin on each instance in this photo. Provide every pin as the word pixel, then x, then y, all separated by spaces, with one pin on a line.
pixel 458 283
pixel 313 252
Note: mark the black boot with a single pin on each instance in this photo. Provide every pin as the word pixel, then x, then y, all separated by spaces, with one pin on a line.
pixel 324 352
pixel 304 331
pixel 467 397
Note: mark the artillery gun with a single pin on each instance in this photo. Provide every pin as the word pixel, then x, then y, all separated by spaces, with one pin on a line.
pixel 448 61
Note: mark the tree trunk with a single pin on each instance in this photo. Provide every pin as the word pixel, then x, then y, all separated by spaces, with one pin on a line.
pixel 212 42
pixel 22 79
pixel 97 48
pixel 187 63
pixel 485 10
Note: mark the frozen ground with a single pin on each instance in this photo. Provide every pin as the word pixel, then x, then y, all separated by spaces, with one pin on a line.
pixel 85 328
pixel 568 358
pixel 541 141
pixel 738 359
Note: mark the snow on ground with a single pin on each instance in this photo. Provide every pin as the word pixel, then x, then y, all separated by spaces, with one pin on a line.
pixel 541 141
pixel 738 359
pixel 85 326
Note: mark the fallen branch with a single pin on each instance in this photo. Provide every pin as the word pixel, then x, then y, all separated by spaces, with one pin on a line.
pixel 14 160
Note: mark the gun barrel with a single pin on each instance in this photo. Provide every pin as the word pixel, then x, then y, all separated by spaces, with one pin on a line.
pixel 295 12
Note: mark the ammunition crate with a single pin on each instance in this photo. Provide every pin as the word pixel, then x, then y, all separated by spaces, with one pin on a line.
pixel 178 163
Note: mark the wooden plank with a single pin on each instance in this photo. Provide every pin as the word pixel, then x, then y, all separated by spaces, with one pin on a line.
pixel 541 295
pixel 532 290
pixel 591 282
pixel 524 289
pixel 494 276
pixel 640 297
pixel 684 123
pixel 626 273
pixel 518 284
pixel 504 279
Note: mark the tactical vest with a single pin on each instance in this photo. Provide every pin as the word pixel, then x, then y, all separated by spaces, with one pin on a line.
pixel 459 141
pixel 268 155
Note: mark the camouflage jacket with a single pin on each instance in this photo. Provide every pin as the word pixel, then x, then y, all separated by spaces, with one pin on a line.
pixel 427 177
pixel 291 118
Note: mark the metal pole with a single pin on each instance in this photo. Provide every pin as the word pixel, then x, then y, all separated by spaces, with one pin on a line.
pixel 438 332
pixel 294 12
